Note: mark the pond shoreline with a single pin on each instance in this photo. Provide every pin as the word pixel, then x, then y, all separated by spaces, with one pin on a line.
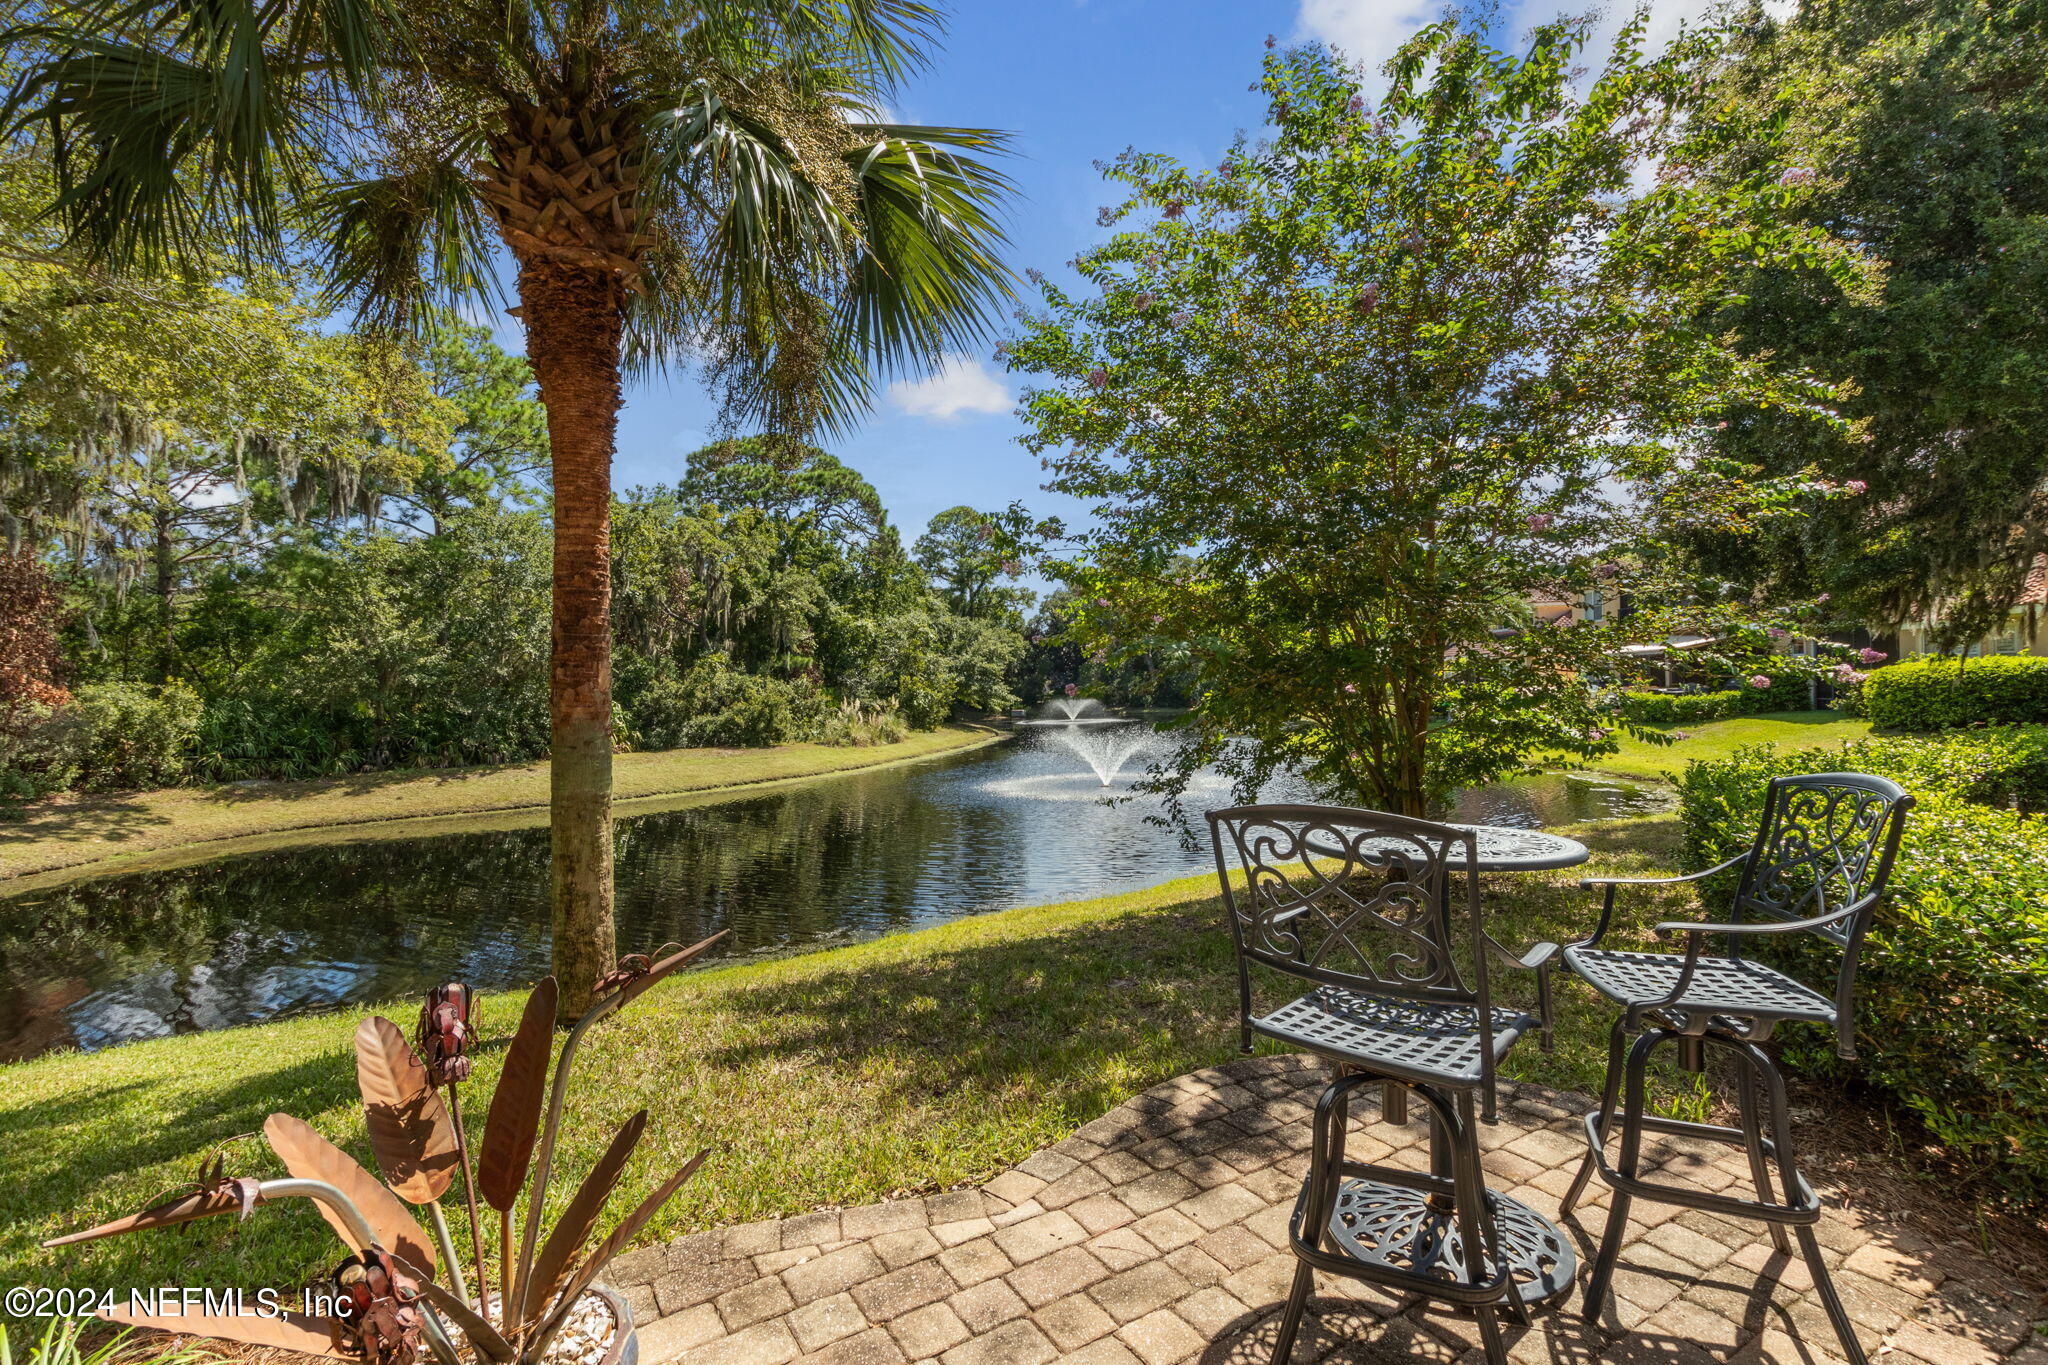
pixel 51 843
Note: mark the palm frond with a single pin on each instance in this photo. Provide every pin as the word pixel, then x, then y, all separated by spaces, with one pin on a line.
pixel 189 124
pixel 931 274
pixel 802 283
pixel 397 245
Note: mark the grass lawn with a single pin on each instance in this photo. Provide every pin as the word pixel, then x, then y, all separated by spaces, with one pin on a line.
pixel 909 1063
pixel 1719 738
pixel 123 831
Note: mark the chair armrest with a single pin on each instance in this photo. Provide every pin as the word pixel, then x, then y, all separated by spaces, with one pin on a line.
pixel 1538 960
pixel 1588 883
pixel 1782 926
pixel 1592 940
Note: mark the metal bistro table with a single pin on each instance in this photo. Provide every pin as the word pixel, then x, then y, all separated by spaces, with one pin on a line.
pixel 1537 1251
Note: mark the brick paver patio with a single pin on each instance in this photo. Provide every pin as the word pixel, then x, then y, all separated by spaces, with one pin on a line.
pixel 1158 1234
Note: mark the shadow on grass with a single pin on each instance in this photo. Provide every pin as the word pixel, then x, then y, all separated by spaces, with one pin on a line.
pixel 93 818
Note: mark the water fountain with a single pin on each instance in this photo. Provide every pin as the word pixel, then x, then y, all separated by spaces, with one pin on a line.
pixel 1106 751
pixel 1074 711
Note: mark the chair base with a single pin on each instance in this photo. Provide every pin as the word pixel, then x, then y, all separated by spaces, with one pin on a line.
pixel 1417 1233
pixel 1762 1104
pixel 1399 1230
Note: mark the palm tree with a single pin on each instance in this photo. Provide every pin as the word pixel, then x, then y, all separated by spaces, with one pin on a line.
pixel 709 182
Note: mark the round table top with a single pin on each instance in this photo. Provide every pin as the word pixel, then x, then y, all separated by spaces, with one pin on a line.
pixel 1506 848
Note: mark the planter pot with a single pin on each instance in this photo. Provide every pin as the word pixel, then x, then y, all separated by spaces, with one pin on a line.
pixel 625 1347
pixel 625 1343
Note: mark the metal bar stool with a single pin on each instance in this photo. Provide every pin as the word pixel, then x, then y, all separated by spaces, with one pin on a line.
pixel 1823 853
pixel 1370 909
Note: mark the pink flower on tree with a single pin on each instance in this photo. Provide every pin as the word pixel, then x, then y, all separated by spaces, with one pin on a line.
pixel 1873 656
pixel 1351 687
pixel 1857 486
pixel 1540 522
pixel 1760 682
pixel 1098 377
pixel 1181 317
pixel 1797 175
pixel 1775 633
pixel 1357 105
pixel 1144 300
pixel 1071 689
pixel 1175 208
pixel 1368 297
pixel 1011 568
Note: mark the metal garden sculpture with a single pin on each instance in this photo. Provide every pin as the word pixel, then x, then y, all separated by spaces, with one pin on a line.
pixel 399 1288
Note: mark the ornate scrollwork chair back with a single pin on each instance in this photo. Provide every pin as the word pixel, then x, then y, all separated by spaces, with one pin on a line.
pixel 1823 854
pixel 1381 911
pixel 1348 898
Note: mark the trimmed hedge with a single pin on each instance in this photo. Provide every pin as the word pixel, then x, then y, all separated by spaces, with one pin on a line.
pixel 1938 693
pixel 1787 692
pixel 1953 997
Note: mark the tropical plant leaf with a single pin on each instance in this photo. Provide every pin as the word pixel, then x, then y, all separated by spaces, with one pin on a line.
pixel 514 1119
pixel 409 1126
pixel 488 1341
pixel 288 1331
pixel 309 1156
pixel 184 1209
pixel 579 1218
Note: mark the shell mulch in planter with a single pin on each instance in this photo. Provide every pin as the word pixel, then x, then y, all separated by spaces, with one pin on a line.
pixel 399 1289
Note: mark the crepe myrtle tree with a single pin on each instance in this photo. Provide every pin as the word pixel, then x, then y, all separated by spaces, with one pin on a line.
pixel 1344 402
pixel 673 182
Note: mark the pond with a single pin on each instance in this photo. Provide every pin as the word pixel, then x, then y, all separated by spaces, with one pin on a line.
pixel 109 960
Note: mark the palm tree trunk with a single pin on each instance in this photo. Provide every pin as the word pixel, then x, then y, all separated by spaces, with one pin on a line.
pixel 573 319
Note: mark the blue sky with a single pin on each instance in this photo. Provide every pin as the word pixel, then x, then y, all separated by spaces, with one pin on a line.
pixel 1073 81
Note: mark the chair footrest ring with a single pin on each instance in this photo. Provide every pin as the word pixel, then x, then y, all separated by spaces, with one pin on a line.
pixel 1394 1234
pixel 1806 1210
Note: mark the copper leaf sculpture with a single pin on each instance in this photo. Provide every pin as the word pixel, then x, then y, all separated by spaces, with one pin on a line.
pixel 514 1120
pixel 290 1331
pixel 573 1227
pixel 310 1156
pixel 409 1126
pixel 391 1302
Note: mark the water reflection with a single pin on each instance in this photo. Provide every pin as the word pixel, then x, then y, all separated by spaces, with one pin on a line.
pixel 287 932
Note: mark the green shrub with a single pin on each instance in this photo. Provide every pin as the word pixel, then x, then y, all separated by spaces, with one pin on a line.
pixel 1954 987
pixel 36 757
pixel 1934 693
pixel 128 736
pixel 1655 708
pixel 857 724
pixel 1787 692
pixel 108 737
pixel 715 705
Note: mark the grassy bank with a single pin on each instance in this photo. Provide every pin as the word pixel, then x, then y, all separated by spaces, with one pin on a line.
pixel 1719 738
pixel 121 830
pixel 912 1062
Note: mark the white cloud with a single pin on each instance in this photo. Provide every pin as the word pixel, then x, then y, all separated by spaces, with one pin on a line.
pixel 962 385
pixel 1367 31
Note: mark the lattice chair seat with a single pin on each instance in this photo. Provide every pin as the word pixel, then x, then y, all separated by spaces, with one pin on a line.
pixel 1719 985
pixel 1385 1034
